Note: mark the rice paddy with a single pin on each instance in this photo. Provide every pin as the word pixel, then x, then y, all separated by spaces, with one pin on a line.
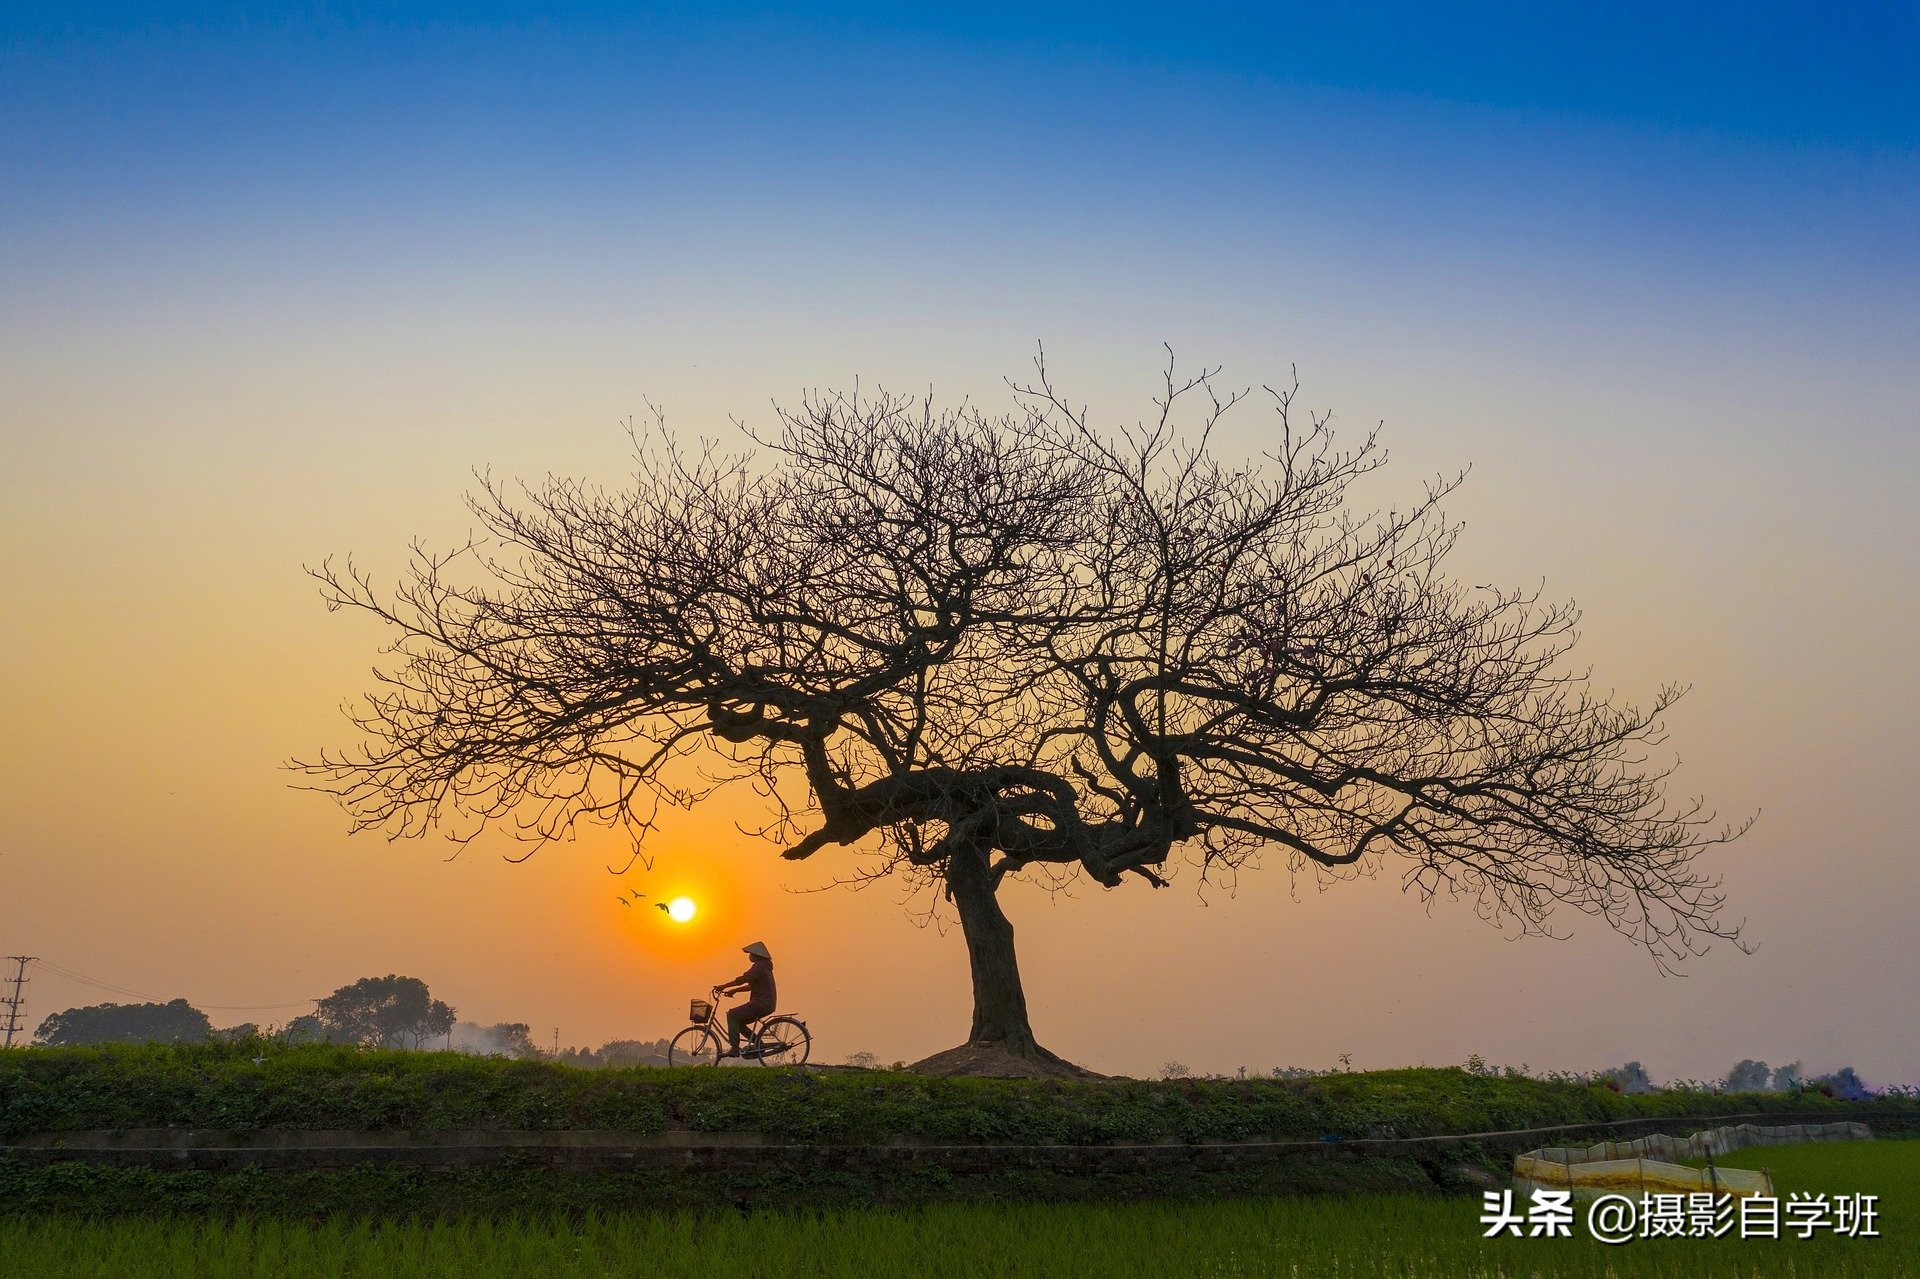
pixel 1402 1237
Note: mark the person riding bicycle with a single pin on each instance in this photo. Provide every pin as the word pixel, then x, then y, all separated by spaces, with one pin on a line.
pixel 757 981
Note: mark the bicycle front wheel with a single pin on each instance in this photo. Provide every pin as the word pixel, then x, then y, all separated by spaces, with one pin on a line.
pixel 784 1041
pixel 694 1046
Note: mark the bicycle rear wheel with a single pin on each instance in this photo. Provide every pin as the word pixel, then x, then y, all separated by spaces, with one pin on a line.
pixel 694 1046
pixel 784 1042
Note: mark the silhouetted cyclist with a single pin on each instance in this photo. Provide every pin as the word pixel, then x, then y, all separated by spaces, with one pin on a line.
pixel 757 981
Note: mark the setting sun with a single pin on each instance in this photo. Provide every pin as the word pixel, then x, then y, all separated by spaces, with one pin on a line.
pixel 681 909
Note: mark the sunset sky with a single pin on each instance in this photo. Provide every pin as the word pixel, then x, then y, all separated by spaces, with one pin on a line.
pixel 274 288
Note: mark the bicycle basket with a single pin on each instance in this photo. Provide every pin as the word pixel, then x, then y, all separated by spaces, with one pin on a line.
pixel 701 1011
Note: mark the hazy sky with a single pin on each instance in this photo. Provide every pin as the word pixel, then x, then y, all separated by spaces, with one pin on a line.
pixel 272 289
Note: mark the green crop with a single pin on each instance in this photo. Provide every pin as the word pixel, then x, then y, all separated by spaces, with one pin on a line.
pixel 1402 1237
pixel 1358 1237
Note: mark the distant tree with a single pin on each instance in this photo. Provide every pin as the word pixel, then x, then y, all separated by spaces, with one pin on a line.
pixel 978 648
pixel 863 1061
pixel 175 1022
pixel 1787 1078
pixel 1748 1076
pixel 517 1038
pixel 504 1039
pixel 306 1029
pixel 386 1012
pixel 1845 1084
pixel 634 1052
pixel 1175 1070
pixel 1631 1078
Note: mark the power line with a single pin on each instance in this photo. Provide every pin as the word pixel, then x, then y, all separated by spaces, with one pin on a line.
pixel 91 981
pixel 71 975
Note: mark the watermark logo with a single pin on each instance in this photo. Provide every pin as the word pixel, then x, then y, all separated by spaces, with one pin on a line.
pixel 1617 1219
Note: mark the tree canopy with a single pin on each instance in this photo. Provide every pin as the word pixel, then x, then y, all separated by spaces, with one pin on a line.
pixel 976 646
pixel 384 1012
pixel 174 1022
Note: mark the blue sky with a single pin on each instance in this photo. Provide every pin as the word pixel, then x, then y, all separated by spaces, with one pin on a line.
pixel 1791 121
pixel 1840 74
pixel 1759 159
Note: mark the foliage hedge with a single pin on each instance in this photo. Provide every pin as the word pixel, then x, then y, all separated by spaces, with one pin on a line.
pixel 251 1086
pixel 78 1189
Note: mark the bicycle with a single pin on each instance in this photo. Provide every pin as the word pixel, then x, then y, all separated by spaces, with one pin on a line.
pixel 780 1040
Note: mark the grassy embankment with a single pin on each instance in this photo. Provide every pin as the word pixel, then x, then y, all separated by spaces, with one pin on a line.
pixel 251 1087
pixel 254 1088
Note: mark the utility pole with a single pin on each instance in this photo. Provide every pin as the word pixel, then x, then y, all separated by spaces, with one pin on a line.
pixel 14 1001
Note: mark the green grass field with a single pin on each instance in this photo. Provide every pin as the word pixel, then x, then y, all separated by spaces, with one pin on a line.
pixel 1402 1237
pixel 1887 1168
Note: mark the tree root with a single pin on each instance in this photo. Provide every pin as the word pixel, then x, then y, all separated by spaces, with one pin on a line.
pixel 1000 1060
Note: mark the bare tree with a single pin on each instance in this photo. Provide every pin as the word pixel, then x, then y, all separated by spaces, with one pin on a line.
pixel 975 647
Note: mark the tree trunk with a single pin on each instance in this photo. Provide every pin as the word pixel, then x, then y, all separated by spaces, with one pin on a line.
pixel 999 1002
